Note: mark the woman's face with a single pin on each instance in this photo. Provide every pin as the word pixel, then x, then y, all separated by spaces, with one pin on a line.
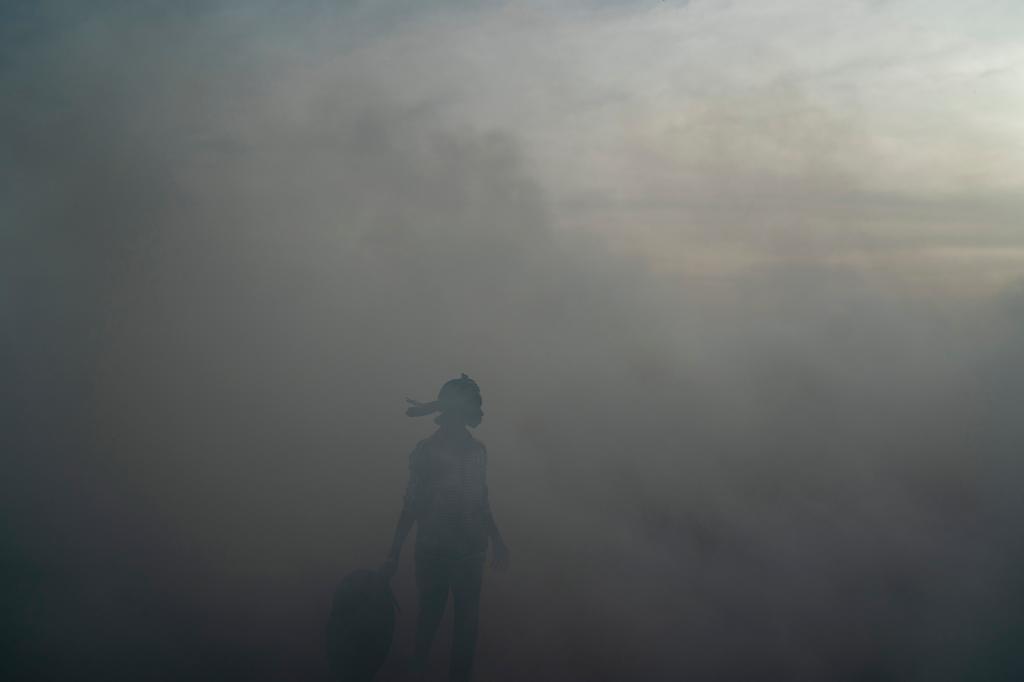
pixel 474 418
pixel 471 415
pixel 463 406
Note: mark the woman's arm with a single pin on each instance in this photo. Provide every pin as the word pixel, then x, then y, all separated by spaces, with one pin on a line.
pixel 492 527
pixel 405 522
pixel 408 515
pixel 501 556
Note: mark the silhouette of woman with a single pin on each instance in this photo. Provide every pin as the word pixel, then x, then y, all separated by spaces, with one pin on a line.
pixel 447 497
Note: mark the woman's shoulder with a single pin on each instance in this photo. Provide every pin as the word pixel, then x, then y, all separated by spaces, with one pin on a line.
pixel 438 440
pixel 479 445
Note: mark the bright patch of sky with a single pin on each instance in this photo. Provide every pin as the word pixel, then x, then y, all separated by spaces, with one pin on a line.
pixel 827 130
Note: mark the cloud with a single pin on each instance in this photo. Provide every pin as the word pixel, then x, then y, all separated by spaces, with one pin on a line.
pixel 237 238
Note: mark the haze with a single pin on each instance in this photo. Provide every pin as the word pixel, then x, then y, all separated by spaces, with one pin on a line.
pixel 741 283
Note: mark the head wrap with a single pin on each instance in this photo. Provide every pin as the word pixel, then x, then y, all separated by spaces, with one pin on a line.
pixel 456 395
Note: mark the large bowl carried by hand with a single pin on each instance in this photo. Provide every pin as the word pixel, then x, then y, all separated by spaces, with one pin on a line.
pixel 361 626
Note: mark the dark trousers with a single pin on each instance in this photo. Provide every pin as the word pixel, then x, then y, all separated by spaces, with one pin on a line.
pixel 436 575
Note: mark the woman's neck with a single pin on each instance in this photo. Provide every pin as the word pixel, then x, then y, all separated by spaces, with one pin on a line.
pixel 453 428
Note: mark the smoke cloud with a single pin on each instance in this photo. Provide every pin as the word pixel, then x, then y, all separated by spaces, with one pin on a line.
pixel 751 394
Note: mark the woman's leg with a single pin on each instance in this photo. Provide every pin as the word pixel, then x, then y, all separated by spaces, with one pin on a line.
pixel 466 579
pixel 432 583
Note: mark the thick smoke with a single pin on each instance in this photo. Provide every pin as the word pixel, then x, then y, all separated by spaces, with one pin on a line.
pixel 229 254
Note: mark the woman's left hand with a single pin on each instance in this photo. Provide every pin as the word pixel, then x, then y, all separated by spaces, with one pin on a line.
pixel 501 557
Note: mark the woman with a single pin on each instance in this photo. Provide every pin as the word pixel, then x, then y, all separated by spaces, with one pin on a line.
pixel 447 496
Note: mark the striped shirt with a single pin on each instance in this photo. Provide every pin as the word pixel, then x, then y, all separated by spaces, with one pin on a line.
pixel 447 494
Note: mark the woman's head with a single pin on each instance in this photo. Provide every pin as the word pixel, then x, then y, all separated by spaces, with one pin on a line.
pixel 459 402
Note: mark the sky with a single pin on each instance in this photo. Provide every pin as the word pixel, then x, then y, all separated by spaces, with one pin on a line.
pixel 742 284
